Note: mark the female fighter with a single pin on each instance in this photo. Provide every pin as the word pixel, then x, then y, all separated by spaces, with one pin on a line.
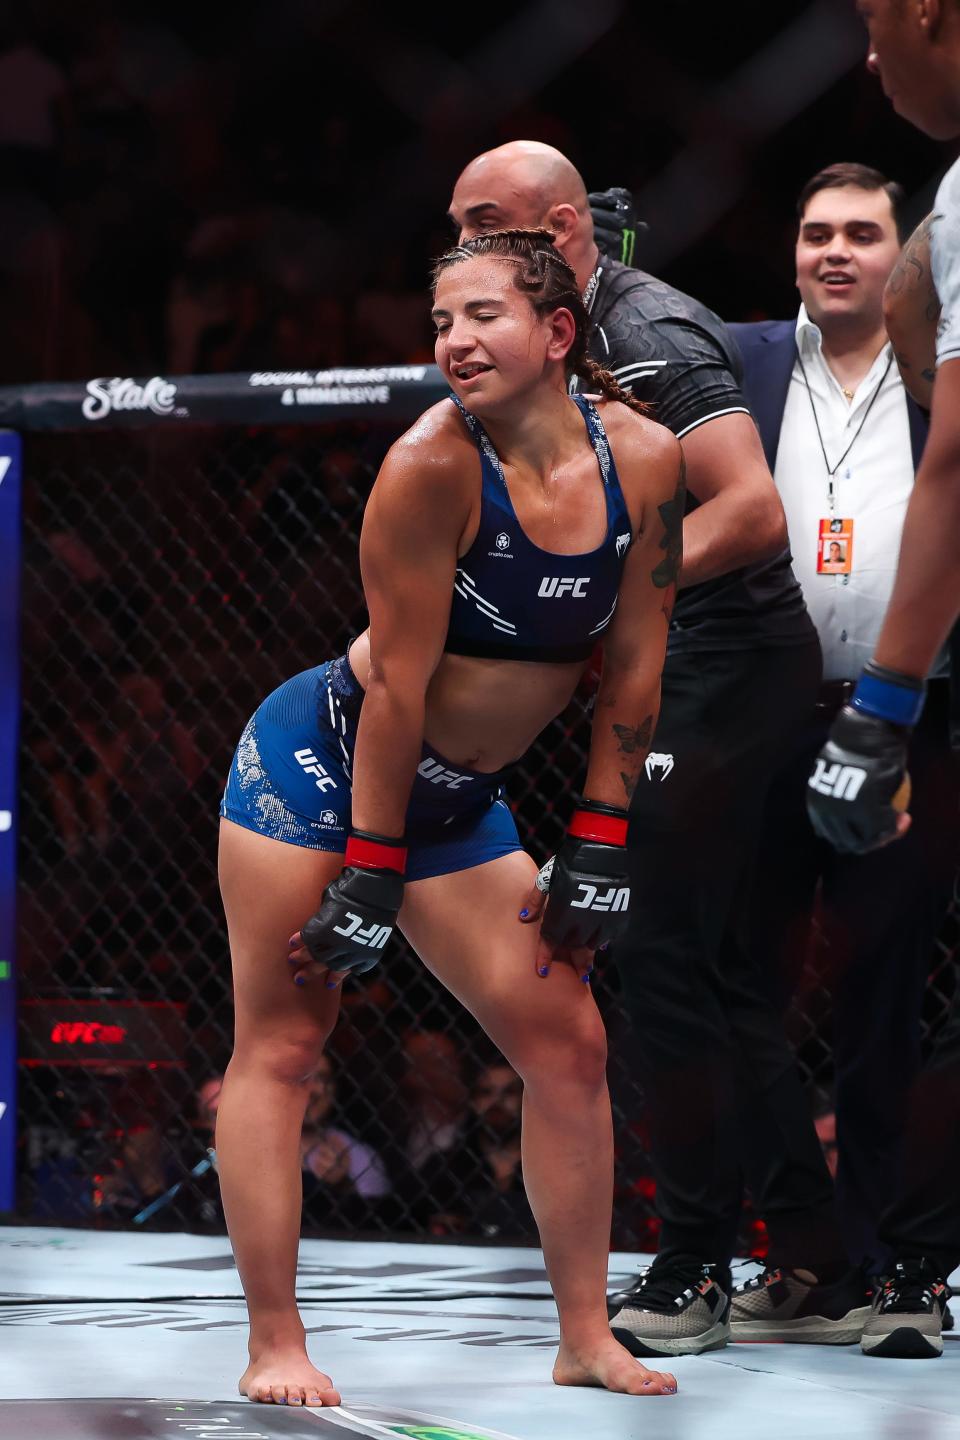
pixel 501 541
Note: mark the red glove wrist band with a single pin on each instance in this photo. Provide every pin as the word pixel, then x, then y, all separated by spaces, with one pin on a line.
pixel 375 852
pixel 606 829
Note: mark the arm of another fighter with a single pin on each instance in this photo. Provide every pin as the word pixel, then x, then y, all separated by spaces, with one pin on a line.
pixel 911 309
pixel 591 863
pixel 859 791
pixel 412 527
pixel 926 595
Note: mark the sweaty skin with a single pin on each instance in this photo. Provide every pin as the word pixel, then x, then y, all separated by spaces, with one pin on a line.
pixel 484 713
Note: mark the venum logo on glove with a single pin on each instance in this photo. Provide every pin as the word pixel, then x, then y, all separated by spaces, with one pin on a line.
pixel 613 899
pixel 842 782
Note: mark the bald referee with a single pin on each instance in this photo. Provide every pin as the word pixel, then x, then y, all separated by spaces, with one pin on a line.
pixel 743 660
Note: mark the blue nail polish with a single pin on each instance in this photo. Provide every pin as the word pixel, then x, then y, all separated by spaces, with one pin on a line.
pixel 544 971
pixel 586 978
pixel 299 980
pixel 331 984
pixel 524 914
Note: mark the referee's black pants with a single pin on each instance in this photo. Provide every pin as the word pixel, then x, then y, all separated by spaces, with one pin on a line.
pixel 705 1030
pixel 880 914
pixel 924 1218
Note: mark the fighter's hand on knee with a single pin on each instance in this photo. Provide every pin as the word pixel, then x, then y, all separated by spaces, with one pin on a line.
pixel 358 914
pixel 586 890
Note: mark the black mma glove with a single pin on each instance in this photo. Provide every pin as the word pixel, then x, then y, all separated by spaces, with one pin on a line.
pixel 359 909
pixel 860 785
pixel 589 890
pixel 615 224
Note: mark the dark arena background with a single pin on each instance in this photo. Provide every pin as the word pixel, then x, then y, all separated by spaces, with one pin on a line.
pixel 216 225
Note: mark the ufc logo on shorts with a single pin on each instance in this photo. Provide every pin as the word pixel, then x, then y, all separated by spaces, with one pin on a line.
pixel 312 766
pixel 375 936
pixel 551 587
pixel 611 900
pixel 433 771
pixel 842 782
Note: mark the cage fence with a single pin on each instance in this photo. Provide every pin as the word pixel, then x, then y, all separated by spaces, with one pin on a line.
pixel 172 576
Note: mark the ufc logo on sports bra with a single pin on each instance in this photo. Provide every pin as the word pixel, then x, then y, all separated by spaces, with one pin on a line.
pixel 375 936
pixel 436 773
pixel 611 900
pixel 552 588
pixel 842 782
pixel 312 766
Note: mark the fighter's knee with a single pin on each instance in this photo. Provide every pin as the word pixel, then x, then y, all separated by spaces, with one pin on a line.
pixel 291 1058
pixel 574 1056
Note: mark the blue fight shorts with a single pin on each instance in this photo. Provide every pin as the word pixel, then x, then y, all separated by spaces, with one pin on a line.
pixel 290 780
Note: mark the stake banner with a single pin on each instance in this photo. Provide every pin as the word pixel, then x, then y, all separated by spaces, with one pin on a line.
pixel 260 397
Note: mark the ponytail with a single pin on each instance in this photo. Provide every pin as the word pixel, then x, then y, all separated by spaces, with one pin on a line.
pixel 609 386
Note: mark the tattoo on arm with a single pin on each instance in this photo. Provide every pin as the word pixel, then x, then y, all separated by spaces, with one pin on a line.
pixel 912 269
pixel 671 514
pixel 631 741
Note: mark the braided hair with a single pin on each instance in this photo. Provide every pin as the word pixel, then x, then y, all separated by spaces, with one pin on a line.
pixel 549 283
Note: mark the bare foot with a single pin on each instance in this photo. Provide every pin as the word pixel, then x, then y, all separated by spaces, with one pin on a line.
pixel 283 1375
pixel 609 1365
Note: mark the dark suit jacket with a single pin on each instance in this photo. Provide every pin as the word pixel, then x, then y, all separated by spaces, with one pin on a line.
pixel 769 349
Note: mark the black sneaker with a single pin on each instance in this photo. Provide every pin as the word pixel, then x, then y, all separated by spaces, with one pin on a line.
pixel 793 1306
pixel 675 1308
pixel 906 1321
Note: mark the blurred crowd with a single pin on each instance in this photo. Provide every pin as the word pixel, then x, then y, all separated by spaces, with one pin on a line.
pixel 151 219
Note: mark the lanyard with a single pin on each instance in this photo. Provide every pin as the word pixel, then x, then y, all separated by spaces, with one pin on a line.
pixel 856 437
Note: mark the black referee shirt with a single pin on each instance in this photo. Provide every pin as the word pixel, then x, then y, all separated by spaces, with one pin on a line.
pixel 677 356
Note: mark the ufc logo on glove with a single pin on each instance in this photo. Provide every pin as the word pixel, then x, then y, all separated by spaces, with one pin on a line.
pixel 841 782
pixel 375 936
pixel 611 900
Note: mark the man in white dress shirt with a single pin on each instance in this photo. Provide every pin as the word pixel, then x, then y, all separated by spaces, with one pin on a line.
pixel 844 440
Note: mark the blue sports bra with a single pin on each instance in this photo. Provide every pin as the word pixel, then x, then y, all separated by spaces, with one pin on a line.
pixel 514 601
